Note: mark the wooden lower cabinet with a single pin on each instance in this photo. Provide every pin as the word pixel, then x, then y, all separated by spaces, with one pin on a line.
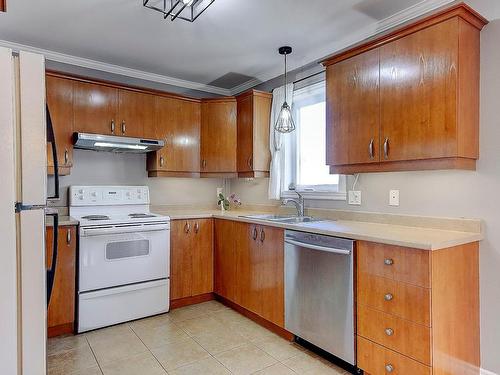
pixel 61 312
pixel 191 263
pixel 249 268
pixel 376 360
pixel 417 310
pixel 225 259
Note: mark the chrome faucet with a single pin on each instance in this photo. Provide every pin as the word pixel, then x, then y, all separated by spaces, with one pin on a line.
pixel 298 202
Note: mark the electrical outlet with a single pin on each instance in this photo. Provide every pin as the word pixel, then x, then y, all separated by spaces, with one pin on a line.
pixel 355 197
pixel 394 198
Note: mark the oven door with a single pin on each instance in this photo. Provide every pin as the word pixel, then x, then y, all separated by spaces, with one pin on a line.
pixel 121 255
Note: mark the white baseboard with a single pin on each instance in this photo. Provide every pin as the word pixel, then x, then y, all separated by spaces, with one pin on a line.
pixel 486 372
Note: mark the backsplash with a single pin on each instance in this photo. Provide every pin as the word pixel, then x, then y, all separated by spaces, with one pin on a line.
pixel 102 168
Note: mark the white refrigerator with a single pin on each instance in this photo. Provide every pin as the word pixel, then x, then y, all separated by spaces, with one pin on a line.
pixel 23 200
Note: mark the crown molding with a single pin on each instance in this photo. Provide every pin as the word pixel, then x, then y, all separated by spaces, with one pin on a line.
pixel 115 69
pixel 486 372
pixel 319 54
pixel 369 31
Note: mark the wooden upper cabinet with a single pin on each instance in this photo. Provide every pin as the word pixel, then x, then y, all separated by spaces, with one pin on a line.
pixel 61 312
pixel 353 110
pixel 95 109
pixel 60 104
pixel 418 94
pixel 135 114
pixel 415 92
pixel 254 112
pixel 218 137
pixel 177 122
pixel 3 6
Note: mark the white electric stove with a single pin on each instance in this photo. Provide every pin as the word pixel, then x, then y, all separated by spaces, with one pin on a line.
pixel 124 255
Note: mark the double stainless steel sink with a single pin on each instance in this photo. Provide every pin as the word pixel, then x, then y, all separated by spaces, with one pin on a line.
pixel 287 219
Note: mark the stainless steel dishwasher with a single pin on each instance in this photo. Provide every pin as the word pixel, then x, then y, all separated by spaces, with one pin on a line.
pixel 319 292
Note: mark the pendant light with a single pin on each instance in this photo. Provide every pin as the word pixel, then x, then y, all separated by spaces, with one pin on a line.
pixel 285 123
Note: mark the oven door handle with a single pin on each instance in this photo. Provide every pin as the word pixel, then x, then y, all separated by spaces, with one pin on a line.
pixel 88 232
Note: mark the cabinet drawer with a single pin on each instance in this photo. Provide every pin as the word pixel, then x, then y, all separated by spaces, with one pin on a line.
pixel 373 359
pixel 394 262
pixel 404 300
pixel 410 339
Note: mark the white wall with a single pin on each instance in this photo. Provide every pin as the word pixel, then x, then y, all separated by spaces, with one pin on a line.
pixel 449 193
pixel 102 168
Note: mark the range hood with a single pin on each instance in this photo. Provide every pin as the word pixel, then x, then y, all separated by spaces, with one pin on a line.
pixel 111 143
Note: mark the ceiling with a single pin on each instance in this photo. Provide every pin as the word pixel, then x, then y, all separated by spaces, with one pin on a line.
pixel 231 47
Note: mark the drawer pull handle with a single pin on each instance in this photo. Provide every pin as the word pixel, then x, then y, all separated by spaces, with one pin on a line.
pixel 389 368
pixel 389 331
pixel 388 297
pixel 388 262
pixel 254 233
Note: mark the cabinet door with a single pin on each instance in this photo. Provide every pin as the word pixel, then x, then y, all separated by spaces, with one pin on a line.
pixel 60 103
pixel 177 122
pixel 95 109
pixel 225 259
pixel 245 133
pixel 180 259
pixel 135 114
pixel 271 283
pixel 261 124
pixel 218 136
pixel 418 94
pixel 248 267
pixel 61 312
pixel 352 110
pixel 203 257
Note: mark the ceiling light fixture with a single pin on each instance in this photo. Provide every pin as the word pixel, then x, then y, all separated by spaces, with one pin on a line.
pixel 285 123
pixel 188 10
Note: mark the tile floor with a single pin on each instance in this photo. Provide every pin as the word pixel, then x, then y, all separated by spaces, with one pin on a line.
pixel 205 339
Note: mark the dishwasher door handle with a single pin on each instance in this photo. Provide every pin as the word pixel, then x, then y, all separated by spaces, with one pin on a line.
pixel 318 247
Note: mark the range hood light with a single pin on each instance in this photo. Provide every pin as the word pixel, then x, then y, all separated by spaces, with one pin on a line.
pixel 116 145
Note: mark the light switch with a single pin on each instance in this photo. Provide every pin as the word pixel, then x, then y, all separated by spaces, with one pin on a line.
pixel 394 198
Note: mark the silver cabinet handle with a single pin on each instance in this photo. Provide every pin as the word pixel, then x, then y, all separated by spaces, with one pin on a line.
pixel 204 163
pixel 388 262
pixel 389 331
pixel 124 127
pixel 386 148
pixel 187 227
pixel 370 150
pixel 66 156
pixel 254 233
pixel 196 227
pixel 249 162
pixel 388 297
pixel 162 161
pixel 389 368
pixel 262 235
pixel 68 236
pixel 112 126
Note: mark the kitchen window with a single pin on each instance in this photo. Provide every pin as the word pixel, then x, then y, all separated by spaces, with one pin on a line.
pixel 305 156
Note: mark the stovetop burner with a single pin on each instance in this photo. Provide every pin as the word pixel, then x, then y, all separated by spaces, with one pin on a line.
pixel 140 216
pixel 95 217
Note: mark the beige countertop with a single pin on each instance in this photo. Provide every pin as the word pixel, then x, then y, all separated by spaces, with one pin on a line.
pixel 392 234
pixel 63 221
